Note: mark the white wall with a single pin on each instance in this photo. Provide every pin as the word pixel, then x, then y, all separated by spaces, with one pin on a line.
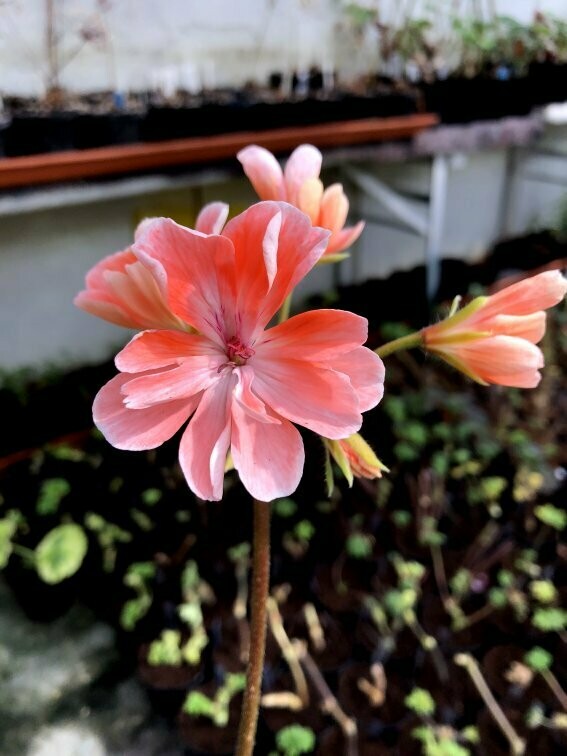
pixel 181 42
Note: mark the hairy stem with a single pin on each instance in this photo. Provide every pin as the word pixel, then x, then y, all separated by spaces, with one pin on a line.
pixel 404 342
pixel 258 603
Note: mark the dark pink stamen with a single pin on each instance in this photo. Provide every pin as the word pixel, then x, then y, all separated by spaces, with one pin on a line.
pixel 238 352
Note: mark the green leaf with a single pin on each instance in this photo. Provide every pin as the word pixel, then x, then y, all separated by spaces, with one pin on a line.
pixel 7 530
pixel 359 545
pixel 295 740
pixel 284 507
pixel 420 702
pixel 51 493
pixel 543 591
pixel 538 659
pixel 552 516
pixel 197 704
pixel 151 496
pixel 550 619
pixel 61 552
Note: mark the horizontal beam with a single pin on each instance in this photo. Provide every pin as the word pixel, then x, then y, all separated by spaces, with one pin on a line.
pixel 59 167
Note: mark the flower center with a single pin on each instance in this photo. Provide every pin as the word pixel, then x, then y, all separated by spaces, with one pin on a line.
pixel 238 352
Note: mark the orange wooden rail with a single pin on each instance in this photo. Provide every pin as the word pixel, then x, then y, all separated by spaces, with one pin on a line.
pixel 58 167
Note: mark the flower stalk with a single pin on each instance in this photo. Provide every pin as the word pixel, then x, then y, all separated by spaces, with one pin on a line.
pixel 258 622
pixel 404 342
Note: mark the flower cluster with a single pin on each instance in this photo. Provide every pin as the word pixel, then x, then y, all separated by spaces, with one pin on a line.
pixel 203 301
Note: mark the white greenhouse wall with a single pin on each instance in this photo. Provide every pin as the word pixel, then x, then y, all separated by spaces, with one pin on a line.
pixel 179 43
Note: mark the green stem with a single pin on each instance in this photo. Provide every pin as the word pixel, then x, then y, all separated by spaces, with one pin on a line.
pixel 404 342
pixel 23 551
pixel 285 309
pixel 258 621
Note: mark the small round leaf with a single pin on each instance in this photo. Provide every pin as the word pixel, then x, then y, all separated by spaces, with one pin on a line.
pixel 60 553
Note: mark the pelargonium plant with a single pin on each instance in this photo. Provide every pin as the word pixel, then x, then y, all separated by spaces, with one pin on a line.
pixel 217 353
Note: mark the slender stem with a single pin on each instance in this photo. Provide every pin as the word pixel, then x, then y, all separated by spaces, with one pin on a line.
pixel 258 620
pixel 404 342
pixel 517 744
pixel 285 309
pixel 329 703
pixel 288 651
pixel 23 551
pixel 555 687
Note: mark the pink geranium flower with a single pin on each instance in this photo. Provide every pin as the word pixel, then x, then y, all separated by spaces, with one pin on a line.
pixel 300 185
pixel 493 338
pixel 123 290
pixel 214 359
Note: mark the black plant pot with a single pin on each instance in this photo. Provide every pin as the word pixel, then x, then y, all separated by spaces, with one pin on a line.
pixel 462 100
pixel 548 82
pixel 100 130
pixel 35 133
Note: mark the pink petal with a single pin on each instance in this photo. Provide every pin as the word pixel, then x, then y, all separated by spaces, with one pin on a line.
pixel 506 360
pixel 205 443
pixel 264 172
pixel 250 403
pixel 100 298
pixel 314 336
pixel 135 430
pixel 366 373
pixel 334 208
pixel 344 239
pixel 309 198
pixel 275 247
pixel 196 272
pixel 308 394
pixel 151 350
pixel 138 290
pixel 304 163
pixel 194 375
pixel 529 327
pixel 269 458
pixel 525 297
pixel 212 218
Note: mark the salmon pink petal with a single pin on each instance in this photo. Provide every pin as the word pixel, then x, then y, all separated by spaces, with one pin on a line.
pixel 194 375
pixel 264 172
pixel 334 208
pixel 303 164
pixel 275 247
pixel 205 443
pixel 316 335
pixel 505 360
pixel 366 373
pixel 529 327
pixel 536 293
pixel 308 394
pixel 245 396
pixel 101 299
pixel 212 218
pixel 344 239
pixel 96 304
pixel 268 457
pixel 138 289
pixel 135 430
pixel 309 198
pixel 151 350
pixel 195 271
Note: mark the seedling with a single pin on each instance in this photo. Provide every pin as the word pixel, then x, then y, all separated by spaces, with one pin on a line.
pixel 197 704
pixel 138 577
pixel 295 740
pixel 109 536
